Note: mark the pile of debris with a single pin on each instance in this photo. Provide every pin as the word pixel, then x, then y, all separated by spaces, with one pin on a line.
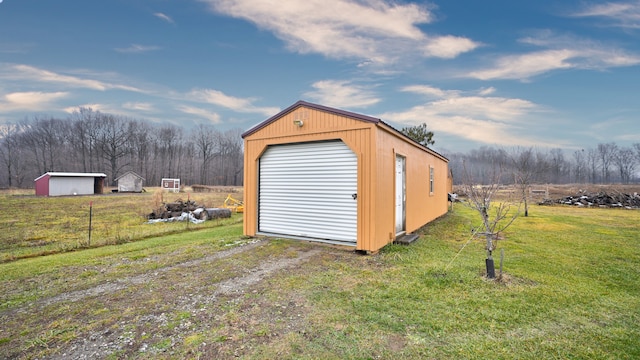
pixel 601 199
pixel 180 210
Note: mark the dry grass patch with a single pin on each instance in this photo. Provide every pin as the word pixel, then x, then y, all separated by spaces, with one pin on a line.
pixel 35 226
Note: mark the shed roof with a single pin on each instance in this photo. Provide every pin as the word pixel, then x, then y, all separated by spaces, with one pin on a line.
pixel 361 117
pixel 70 174
pixel 127 173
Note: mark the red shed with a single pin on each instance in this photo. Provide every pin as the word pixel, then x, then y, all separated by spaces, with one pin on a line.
pixel 65 183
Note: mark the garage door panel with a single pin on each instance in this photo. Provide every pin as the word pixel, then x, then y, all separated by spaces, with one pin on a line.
pixel 306 190
pixel 343 195
pixel 304 212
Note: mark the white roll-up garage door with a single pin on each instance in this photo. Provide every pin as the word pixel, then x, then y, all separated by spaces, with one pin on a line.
pixel 308 190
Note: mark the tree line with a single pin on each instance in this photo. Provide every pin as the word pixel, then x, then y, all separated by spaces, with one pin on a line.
pixel 93 141
pixel 606 163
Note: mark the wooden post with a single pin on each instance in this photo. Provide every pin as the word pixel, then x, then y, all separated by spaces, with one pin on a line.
pixel 187 208
pixel 501 260
pixel 90 219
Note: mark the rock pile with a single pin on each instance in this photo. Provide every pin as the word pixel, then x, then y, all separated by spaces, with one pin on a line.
pixel 601 199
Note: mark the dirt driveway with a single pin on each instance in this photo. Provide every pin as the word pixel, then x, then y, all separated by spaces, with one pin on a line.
pixel 218 304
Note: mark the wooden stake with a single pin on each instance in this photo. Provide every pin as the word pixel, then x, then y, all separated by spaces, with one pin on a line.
pixel 90 219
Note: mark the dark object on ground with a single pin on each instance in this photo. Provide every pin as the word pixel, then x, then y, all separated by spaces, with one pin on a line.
pixel 406 239
pixel 176 209
pixel 601 199
pixel 212 213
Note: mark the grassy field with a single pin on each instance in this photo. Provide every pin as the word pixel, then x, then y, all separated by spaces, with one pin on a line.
pixel 33 226
pixel 570 290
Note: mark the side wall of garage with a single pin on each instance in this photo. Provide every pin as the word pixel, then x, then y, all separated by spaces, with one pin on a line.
pixel 422 205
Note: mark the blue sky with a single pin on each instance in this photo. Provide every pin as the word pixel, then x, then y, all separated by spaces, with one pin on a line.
pixel 548 74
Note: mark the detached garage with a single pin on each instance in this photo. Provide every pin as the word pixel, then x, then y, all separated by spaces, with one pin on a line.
pixel 64 183
pixel 317 173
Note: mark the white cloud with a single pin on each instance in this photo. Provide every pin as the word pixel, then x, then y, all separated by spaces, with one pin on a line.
pixel 39 78
pixel 136 49
pixel 93 106
pixel 430 91
pixel 453 102
pixel 18 72
pixel 244 105
pixel 342 94
pixel 449 47
pixel 526 66
pixel 30 101
pixel 377 31
pixel 219 98
pixel 622 14
pixel 213 117
pixel 484 119
pixel 562 52
pixel 138 106
pixel 492 108
pixel 487 91
pixel 164 17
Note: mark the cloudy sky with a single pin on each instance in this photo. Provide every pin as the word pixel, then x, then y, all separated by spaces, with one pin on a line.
pixel 557 74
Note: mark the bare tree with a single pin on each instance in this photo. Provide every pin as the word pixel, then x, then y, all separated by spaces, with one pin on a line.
pixel 86 127
pixel 636 148
pixel 230 156
pixel 46 137
pixel 207 141
pixel 236 154
pixel 168 140
pixel 10 152
pixel 526 169
pixel 190 163
pixel 579 170
pixel 606 154
pixel 115 136
pixel 495 217
pixel 592 161
pixel 624 160
pixel 558 165
pixel 140 148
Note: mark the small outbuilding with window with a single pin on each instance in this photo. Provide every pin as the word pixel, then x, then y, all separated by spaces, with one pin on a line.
pixel 317 173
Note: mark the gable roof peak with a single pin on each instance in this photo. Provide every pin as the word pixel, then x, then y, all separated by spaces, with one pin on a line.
pixel 302 103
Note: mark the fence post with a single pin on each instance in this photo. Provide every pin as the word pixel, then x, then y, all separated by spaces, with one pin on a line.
pixel 90 219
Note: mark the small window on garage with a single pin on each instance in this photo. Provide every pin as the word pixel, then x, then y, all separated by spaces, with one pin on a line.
pixel 431 180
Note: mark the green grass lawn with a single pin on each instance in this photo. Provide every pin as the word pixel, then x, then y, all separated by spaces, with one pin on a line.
pixel 570 290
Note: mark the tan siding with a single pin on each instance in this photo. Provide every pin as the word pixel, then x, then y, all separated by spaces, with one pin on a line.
pixel 318 126
pixel 375 146
pixel 421 206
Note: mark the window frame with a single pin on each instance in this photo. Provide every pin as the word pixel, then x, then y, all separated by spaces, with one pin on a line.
pixel 431 180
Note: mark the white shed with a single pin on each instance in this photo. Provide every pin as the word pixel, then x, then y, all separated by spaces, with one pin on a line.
pixel 129 182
